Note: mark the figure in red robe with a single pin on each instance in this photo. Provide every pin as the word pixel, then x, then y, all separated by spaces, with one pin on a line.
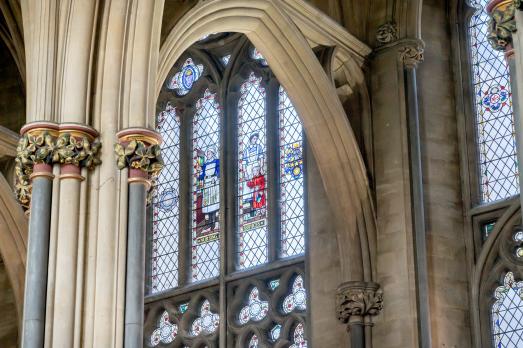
pixel 257 184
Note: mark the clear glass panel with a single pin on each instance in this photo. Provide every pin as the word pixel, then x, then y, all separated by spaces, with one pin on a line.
pixel 165 208
pixel 291 179
pixel 507 314
pixel 299 337
pixel 494 118
pixel 206 188
pixel 207 323
pixel 165 332
pixel 253 343
pixel 297 299
pixel 252 179
pixel 255 310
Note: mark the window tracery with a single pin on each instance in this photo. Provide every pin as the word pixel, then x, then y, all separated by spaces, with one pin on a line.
pixel 231 201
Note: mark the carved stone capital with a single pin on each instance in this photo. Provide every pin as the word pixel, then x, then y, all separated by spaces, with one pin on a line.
pixel 43 144
pixel 357 300
pixel 502 23
pixel 139 150
pixel 387 33
pixel 411 55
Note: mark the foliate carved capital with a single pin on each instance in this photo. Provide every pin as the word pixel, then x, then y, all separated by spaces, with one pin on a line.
pixel 502 23
pixel 139 150
pixel 387 33
pixel 356 300
pixel 411 55
pixel 43 144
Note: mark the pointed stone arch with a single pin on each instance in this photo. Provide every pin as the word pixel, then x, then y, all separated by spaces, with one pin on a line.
pixel 277 37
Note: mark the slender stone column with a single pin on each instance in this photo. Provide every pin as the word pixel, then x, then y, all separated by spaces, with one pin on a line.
pixel 34 164
pixel 356 304
pixel 77 149
pixel 411 56
pixel 138 150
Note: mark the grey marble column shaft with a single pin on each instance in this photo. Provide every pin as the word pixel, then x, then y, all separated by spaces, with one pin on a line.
pixel 135 276
pixel 418 209
pixel 37 263
pixel 357 335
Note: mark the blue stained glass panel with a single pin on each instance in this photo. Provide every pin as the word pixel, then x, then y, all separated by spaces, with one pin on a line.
pixel 183 80
pixel 206 188
pixel 291 179
pixel 494 115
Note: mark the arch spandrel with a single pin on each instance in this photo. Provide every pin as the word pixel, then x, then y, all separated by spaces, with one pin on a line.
pixel 326 125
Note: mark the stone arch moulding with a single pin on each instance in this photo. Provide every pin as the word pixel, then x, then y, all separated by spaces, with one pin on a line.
pixel 275 27
pixel 496 258
pixel 13 241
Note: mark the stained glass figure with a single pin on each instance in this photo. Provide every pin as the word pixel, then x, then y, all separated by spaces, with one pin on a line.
pixel 255 310
pixel 165 209
pixel 207 323
pixel 256 55
pixel 166 331
pixel 183 80
pixel 299 337
pixel 494 115
pixel 252 180
pixel 275 332
pixel 291 179
pixel 253 343
pixel 206 188
pixel 297 299
pixel 507 313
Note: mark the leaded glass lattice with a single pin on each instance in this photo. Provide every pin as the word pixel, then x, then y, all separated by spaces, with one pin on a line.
pixel 494 117
pixel 507 313
pixel 252 178
pixel 291 178
pixel 165 209
pixel 206 188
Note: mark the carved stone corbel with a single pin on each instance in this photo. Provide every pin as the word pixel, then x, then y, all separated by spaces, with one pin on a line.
pixel 412 54
pixel 387 33
pixel 357 301
pixel 502 23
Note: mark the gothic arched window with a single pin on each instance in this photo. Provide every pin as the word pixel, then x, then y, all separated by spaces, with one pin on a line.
pixel 227 232
pixel 495 140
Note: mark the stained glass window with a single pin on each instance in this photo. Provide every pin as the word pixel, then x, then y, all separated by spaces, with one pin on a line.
pixel 165 209
pixel 291 178
pixel 252 179
pixel 494 116
pixel 206 188
pixel 232 190
pixel 507 313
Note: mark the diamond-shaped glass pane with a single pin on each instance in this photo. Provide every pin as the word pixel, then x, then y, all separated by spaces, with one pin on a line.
pixel 291 179
pixel 206 188
pixel 165 208
pixel 252 178
pixel 494 117
pixel 507 314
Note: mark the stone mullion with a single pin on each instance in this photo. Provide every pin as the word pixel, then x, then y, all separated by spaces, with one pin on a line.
pixel 138 150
